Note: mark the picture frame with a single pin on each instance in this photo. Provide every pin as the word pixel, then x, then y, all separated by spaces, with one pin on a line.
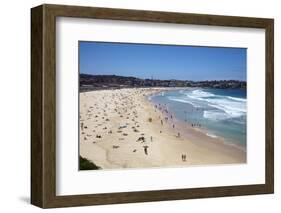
pixel 43 105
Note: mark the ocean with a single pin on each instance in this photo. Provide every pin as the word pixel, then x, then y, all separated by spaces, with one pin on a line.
pixel 221 112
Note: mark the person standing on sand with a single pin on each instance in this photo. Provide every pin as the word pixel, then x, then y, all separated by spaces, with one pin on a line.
pixel 183 157
pixel 145 149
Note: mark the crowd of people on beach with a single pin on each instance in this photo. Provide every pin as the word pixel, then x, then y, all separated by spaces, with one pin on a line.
pixel 164 110
pixel 122 129
pixel 98 115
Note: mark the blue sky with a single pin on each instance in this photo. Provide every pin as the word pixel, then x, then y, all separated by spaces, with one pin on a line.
pixel 162 61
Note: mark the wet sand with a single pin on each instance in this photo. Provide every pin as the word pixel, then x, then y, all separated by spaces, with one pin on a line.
pixel 122 129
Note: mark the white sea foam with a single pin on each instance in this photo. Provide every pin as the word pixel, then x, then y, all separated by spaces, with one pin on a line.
pixel 229 107
pixel 224 110
pixel 224 107
pixel 217 107
pixel 198 95
pixel 237 99
pixel 183 101
pixel 215 115
pixel 201 94
pixel 211 135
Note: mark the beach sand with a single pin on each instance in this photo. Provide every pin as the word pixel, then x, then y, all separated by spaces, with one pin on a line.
pixel 122 129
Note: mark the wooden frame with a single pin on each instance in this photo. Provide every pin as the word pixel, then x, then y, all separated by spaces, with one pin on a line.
pixel 43 105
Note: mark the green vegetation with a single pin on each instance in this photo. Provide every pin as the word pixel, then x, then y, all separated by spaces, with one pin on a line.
pixel 96 82
pixel 85 164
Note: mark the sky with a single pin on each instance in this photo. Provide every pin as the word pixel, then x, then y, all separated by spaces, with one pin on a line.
pixel 162 61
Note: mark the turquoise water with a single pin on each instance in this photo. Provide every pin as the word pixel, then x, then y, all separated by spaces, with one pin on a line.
pixel 222 112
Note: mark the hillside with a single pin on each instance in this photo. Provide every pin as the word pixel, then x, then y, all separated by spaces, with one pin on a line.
pixel 95 82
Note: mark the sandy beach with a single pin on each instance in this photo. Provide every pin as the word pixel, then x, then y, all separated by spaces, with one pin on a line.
pixel 122 129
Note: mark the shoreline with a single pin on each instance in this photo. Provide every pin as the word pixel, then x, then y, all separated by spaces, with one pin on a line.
pixel 183 125
pixel 186 125
pixel 199 133
pixel 127 123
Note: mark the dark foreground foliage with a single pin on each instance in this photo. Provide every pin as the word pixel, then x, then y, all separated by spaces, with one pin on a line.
pixel 85 164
